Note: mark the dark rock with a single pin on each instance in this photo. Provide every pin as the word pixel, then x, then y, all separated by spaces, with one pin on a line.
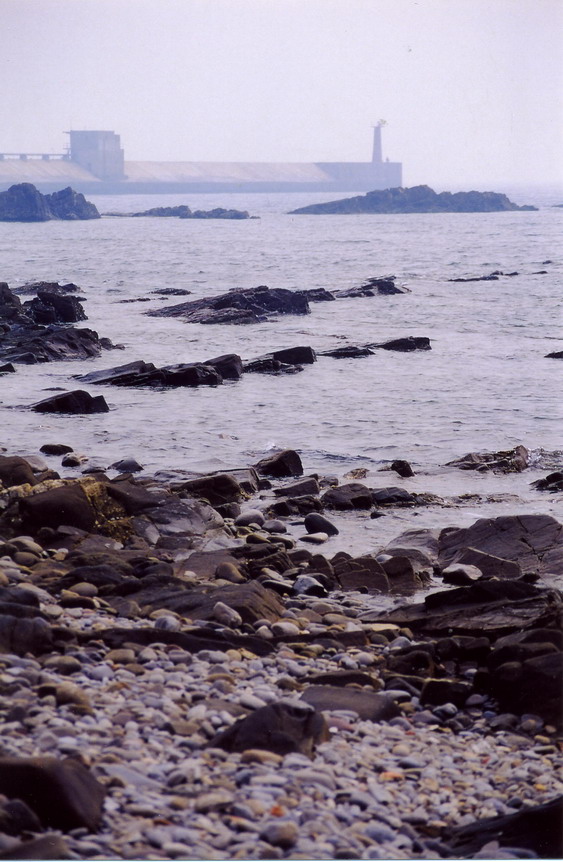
pixel 217 488
pixel 557 354
pixel 127 465
pixel 77 401
pixel 295 506
pixel 50 307
pixel 405 345
pixel 552 482
pixel 269 365
pixel 284 463
pixel 439 691
pixel 17 817
pixel 343 678
pixel 7 368
pixel 229 366
pixel 418 199
pixel 349 351
pixel 20 635
pixel 512 461
pixel 295 355
pixel 536 828
pixel 402 575
pixel 535 542
pixel 278 727
pixel 531 685
pixel 119 375
pixel 238 306
pixel 317 294
pixel 360 573
pixel 392 497
pixel 56 449
pixel 490 566
pixel 315 523
pixel 403 468
pixel 15 471
pixel 70 206
pixel 349 496
pixel 309 485
pixel 23 202
pixel 191 374
pixel 370 706
pixel 63 793
pixel 37 344
pixel 67 505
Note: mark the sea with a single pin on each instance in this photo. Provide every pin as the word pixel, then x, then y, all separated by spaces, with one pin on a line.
pixel 486 384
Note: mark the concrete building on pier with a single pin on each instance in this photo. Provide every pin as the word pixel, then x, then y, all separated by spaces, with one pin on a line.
pixel 95 164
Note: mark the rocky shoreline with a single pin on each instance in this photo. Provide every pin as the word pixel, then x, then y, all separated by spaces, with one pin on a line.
pixel 187 670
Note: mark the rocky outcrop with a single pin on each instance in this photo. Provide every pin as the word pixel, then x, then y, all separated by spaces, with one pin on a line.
pixel 38 330
pixel 23 202
pixel 238 306
pixel 418 199
pixel 510 461
pixel 183 211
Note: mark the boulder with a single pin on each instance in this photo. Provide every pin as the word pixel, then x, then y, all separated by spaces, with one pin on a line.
pixel 403 468
pixel 352 495
pixel 190 374
pixel 392 497
pixel 295 355
pixel 556 354
pixel 308 485
pixel 62 793
pixel 315 523
pixel 553 482
pixel 21 635
pixel 405 345
pixel 279 727
pixel 217 488
pixel 77 401
pixel 228 366
pixel 15 471
pixel 349 351
pixel 66 505
pixel 317 294
pixel 360 573
pixel 284 463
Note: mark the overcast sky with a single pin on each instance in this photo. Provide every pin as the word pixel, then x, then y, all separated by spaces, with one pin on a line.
pixel 471 89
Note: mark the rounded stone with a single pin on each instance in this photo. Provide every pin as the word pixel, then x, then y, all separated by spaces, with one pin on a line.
pixel 315 523
pixel 63 664
pixel 280 833
pixel 251 516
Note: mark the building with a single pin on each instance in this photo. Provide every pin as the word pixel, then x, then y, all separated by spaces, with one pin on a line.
pixel 95 164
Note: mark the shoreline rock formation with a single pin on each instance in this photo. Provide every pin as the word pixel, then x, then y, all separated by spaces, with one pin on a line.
pixel 23 202
pixel 192 680
pixel 418 199
pixel 189 659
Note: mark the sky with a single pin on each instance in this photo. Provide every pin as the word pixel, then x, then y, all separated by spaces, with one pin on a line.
pixel 471 90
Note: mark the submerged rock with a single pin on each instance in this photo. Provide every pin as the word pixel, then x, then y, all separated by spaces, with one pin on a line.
pixel 78 401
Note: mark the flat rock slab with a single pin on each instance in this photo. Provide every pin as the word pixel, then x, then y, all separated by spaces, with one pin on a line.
pixel 534 541
pixel 372 706
pixel 500 617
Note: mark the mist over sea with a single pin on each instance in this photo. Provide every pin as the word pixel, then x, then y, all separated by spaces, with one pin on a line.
pixel 485 385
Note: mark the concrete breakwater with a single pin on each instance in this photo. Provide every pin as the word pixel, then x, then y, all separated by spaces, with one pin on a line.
pixel 191 672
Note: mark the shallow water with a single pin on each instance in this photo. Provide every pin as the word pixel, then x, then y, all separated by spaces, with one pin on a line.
pixel 485 385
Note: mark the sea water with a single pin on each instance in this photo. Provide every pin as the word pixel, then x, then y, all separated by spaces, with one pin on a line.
pixel 485 385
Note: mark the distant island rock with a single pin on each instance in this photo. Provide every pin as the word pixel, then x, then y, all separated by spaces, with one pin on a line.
pixel 184 211
pixel 418 199
pixel 23 202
